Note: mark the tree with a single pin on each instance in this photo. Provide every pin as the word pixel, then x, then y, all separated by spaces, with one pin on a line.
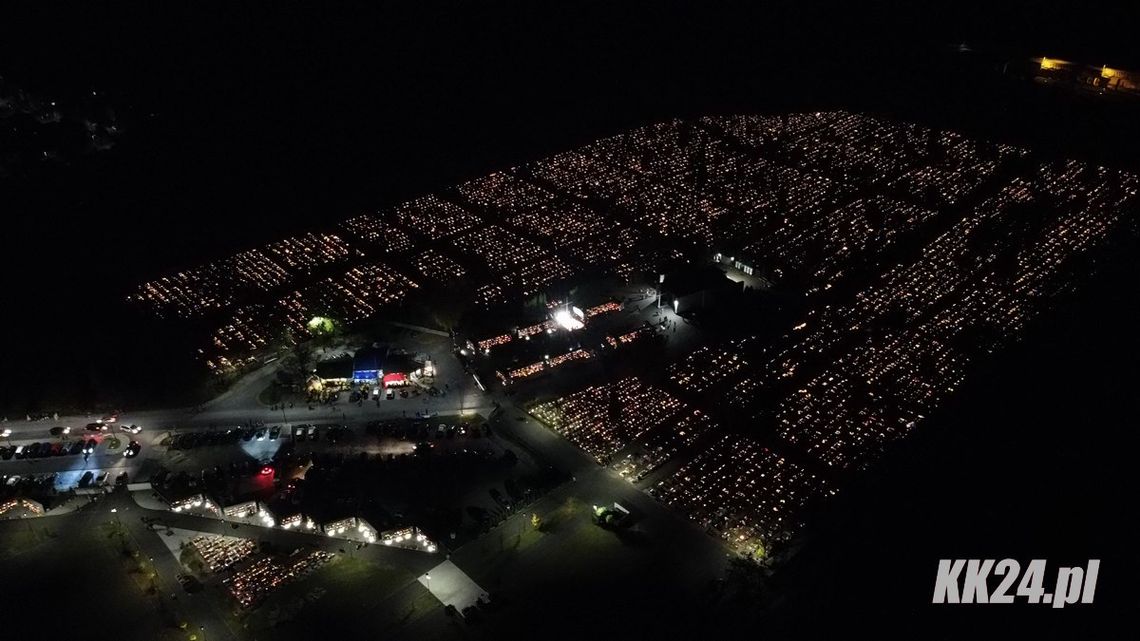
pixel 535 521
pixel 299 363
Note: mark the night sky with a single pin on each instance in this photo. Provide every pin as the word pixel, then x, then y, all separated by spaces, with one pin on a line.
pixel 241 125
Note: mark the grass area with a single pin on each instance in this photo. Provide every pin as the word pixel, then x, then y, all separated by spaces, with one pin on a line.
pixel 349 598
pixel 75 564
pixel 572 577
pixel 24 536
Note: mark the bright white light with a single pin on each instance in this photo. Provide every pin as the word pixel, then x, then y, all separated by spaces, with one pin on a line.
pixel 431 548
pixel 567 320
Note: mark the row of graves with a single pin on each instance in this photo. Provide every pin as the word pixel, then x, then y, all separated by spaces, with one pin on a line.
pixel 539 340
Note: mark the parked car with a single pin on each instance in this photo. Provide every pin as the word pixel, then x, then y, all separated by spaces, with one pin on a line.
pixel 76 447
pixel 86 479
pixel 101 479
pixel 275 432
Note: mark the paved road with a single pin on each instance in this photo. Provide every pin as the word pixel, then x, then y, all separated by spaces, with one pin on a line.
pixel 595 484
pixel 236 407
pixel 239 405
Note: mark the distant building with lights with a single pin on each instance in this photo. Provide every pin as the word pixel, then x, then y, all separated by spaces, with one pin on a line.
pixel 373 365
pixel 1074 75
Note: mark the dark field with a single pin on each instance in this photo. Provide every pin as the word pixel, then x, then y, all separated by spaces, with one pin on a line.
pixel 75 580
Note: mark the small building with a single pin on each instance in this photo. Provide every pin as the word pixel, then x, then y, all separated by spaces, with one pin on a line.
pixel 339 527
pixel 395 379
pixel 240 510
pixel 368 364
pixel 193 502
